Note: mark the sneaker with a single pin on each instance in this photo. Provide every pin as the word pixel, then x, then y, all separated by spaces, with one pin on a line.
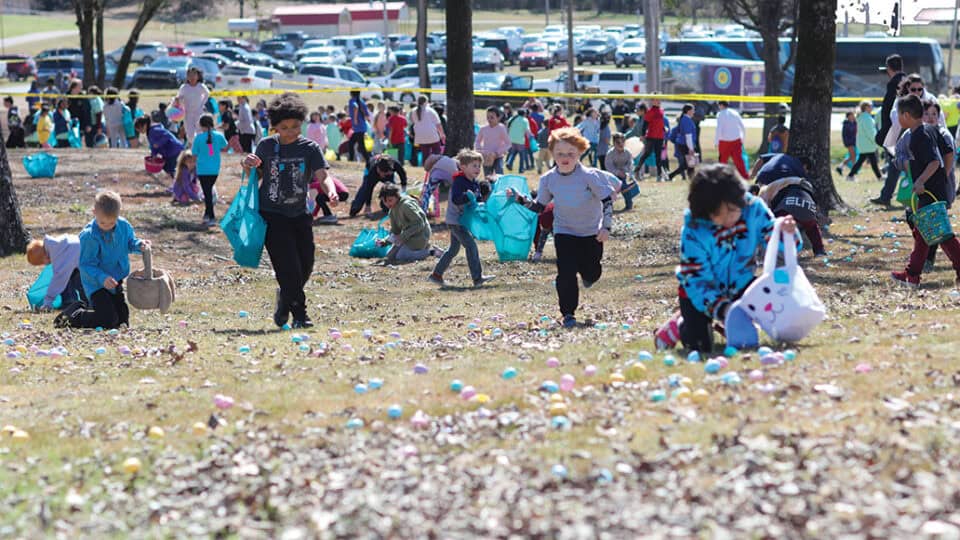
pixel 840 170
pixel 327 220
pixel 483 279
pixel 880 202
pixel 63 318
pixel 904 278
pixel 668 335
pixel 586 284
pixel 819 253
pixel 435 278
pixel 282 311
pixel 302 323
pixel 569 321
pixel 436 252
pixel 928 267
pixel 537 255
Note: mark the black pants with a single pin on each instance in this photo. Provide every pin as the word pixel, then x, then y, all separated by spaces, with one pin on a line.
pixel 655 147
pixel 323 199
pixel 289 242
pixel 890 183
pixel 864 156
pixel 246 142
pixel 356 141
pixel 575 255
pixel 63 143
pixel 602 160
pixel 73 292
pixel 206 184
pixel 696 332
pixel 681 163
pixel 364 194
pixel 108 311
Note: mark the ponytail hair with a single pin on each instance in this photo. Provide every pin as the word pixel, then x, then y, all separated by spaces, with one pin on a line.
pixel 206 122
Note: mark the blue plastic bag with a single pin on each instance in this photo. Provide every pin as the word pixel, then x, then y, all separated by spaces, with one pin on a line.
pixel 243 224
pixel 38 291
pixel 73 134
pixel 40 165
pixel 365 246
pixel 509 225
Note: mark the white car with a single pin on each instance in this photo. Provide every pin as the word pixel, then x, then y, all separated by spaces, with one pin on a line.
pixel 631 52
pixel 377 60
pixel 198 46
pixel 555 30
pixel 352 45
pixel 314 43
pixel 143 53
pixel 244 76
pixel 407 76
pixel 334 55
pixel 326 76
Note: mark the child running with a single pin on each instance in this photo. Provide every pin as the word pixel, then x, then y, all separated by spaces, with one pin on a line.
pixel 287 163
pixel 207 146
pixel 105 246
pixel 582 217
pixel 465 191
pixel 186 188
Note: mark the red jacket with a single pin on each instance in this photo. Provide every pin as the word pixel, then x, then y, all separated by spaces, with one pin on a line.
pixel 654 120
pixel 397 125
pixel 557 123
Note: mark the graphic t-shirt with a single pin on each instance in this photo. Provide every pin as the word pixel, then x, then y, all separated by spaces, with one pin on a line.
pixel 287 171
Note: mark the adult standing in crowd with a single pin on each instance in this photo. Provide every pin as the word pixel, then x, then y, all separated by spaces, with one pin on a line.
pixel 359 117
pixel 427 130
pixel 894 68
pixel 729 137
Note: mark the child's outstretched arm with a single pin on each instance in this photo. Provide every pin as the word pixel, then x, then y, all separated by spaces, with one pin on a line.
pixel 697 279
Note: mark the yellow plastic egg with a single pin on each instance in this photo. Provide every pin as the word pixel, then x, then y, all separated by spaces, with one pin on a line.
pixel 156 432
pixel 556 398
pixel 683 393
pixel 636 371
pixel 131 465
pixel 480 398
pixel 558 409
pixel 349 333
pixel 700 396
pixel 21 348
pixel 9 430
pixel 617 377
pixel 20 435
pixel 686 381
pixel 199 429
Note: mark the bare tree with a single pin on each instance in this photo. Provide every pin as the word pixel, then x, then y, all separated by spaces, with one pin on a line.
pixel 13 236
pixel 770 18
pixel 148 9
pixel 84 10
pixel 812 97
pixel 98 6
pixel 460 118
pixel 422 70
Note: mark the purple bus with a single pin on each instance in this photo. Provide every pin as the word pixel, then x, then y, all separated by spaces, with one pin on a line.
pixel 717 76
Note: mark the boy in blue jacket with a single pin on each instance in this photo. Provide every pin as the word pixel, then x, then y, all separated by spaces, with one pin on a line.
pixel 105 245
pixel 723 230
pixel 464 191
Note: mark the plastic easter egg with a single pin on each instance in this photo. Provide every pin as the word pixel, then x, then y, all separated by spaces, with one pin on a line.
pixel 367 334
pixel 306 348
pixel 553 362
pixel 559 422
pixel 156 432
pixel 550 387
pixel 395 335
pixel 468 392
pixel 509 373
pixel 694 356
pixel 700 396
pixel 863 368
pixel 789 355
pixel 730 351
pixel 686 381
pixel 360 388
pixel 355 423
pixel 711 367
pixel 113 332
pixel 557 409
pixel 636 370
pixel 296 338
pixel 590 370
pixel 100 350
pixel 682 393
pixel 644 356
pixel 420 419
pixel 617 378
pixel 673 380
pixel 456 385
pixel 769 360
pixel 657 396
pixel 335 334
pixel 559 471
pixel 183 324
pixel 9 342
pixel 723 361
pixel 9 430
pixel 285 327
pixel 480 398
pixel 763 351
pixel 124 349
pixel 375 384
pixel 199 428
pixel 732 378
pixel 244 349
pixel 222 402
pixel 669 360
pixel 395 411
pixel 567 382
pixel 13 354
pixel 20 435
pixel 755 375
pixel 131 465
pixel 243 314
pixel 557 398
pixel 420 369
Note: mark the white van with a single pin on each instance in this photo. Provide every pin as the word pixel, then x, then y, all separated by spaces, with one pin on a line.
pixel 352 45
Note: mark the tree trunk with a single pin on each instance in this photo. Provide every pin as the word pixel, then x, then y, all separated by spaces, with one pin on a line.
pixel 84 12
pixel 13 237
pixel 812 97
pixel 422 70
pixel 773 73
pixel 101 54
pixel 147 11
pixel 460 118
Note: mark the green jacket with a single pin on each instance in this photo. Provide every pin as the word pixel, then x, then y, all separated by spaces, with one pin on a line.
pixel 409 224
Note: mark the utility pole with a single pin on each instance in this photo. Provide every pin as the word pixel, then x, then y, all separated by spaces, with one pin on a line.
pixel 386 25
pixel 953 43
pixel 546 11
pixel 846 23
pixel 571 57
pixel 651 25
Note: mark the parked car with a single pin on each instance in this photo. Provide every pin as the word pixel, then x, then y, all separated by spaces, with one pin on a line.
pixel 631 51
pixel 240 44
pixel 406 53
pixel 377 60
pixel 19 66
pixel 600 81
pixel 351 45
pixel 335 54
pixel 59 52
pixel 220 61
pixel 487 59
pixel 245 76
pixel 233 54
pixel 597 50
pixel 70 66
pixel 561 51
pixel 325 76
pixel 500 82
pixel 407 76
pixel 396 39
pixel 260 59
pixel 370 39
pixel 197 46
pixel 143 53
pixel 509 46
pixel 294 38
pixel 171 72
pixel 536 54
pixel 314 43
pixel 178 50
pixel 278 49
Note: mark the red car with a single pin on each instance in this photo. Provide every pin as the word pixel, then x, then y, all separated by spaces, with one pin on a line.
pixel 178 50
pixel 536 54
pixel 19 66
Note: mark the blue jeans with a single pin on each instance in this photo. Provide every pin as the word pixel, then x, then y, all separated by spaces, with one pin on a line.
pixel 518 150
pixel 459 235
pixel 496 168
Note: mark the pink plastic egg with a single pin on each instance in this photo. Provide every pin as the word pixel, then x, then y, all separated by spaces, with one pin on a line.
pixel 567 382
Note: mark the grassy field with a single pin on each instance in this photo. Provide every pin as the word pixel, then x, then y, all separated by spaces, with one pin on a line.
pixel 855 435
pixel 18 25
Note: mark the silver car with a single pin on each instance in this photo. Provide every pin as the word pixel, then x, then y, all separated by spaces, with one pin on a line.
pixel 143 53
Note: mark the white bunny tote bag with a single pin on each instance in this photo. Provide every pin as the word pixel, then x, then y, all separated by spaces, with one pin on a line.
pixel 781 300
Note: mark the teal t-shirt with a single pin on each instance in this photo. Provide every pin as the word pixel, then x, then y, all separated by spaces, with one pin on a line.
pixel 518 126
pixel 207 151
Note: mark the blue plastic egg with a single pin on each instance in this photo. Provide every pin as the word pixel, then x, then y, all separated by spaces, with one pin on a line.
pixel 657 396
pixel 694 356
pixel 644 356
pixel 559 422
pixel 242 314
pixel 732 378
pixel 559 471
pixel 730 351
pixel 360 388
pixel 100 350
pixel 711 367
pixel 395 411
pixel 673 380
pixel 244 349
pixel 550 387
pixel 789 355
pixel 354 423
pixel 669 360
pixel 509 373
pixel 456 385
pixel 763 351
pixel 375 384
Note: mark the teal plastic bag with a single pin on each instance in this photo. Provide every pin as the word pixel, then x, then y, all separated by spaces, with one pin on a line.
pixel 509 225
pixel 365 246
pixel 128 129
pixel 73 134
pixel 243 225
pixel 38 291
pixel 40 165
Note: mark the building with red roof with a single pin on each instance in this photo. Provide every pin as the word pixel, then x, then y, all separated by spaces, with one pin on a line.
pixel 327 20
